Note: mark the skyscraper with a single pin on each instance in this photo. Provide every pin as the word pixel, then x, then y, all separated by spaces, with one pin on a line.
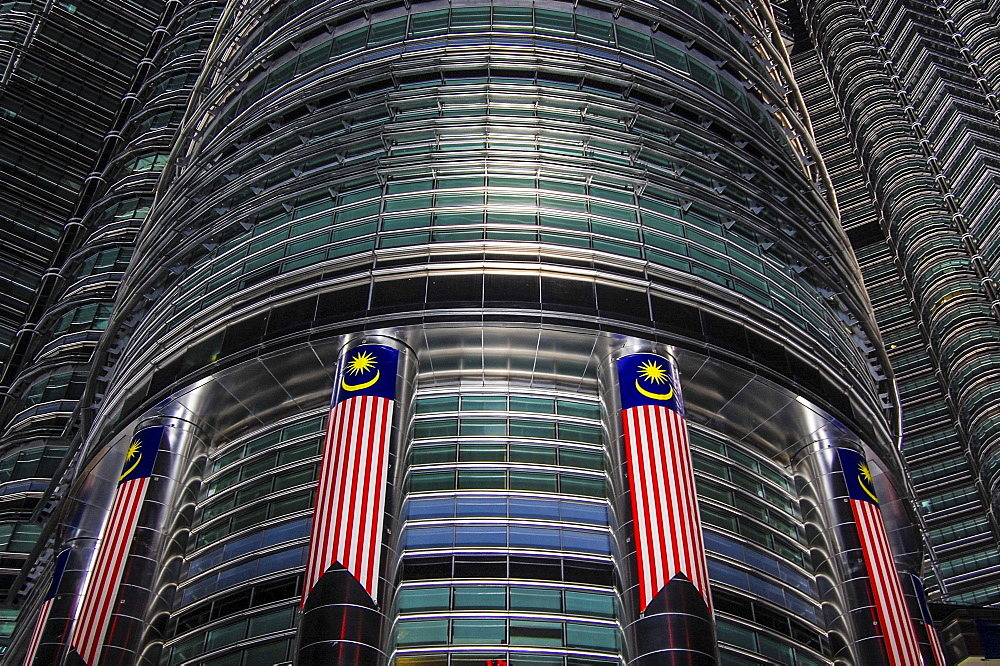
pixel 918 209
pixel 440 313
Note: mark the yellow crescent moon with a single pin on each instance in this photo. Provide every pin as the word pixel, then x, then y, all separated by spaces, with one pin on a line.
pixel 867 492
pixel 358 387
pixel 132 468
pixel 654 396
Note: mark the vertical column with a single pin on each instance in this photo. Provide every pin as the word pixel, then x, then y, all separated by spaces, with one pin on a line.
pixel 43 612
pixel 894 620
pixel 857 569
pixel 668 607
pixel 110 606
pixel 341 614
pixel 931 646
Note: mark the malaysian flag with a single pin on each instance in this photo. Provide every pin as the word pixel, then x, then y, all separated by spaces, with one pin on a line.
pixel 43 612
pixel 925 615
pixel 105 576
pixel 893 615
pixel 669 543
pixel 350 497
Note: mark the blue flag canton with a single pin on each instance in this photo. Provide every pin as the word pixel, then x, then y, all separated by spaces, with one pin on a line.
pixel 367 370
pixel 918 588
pixel 858 476
pixel 141 454
pixel 649 379
pixel 57 575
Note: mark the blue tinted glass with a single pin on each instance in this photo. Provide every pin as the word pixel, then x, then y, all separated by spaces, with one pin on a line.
pixel 587 542
pixel 293 557
pixel 766 589
pixel 238 574
pixel 532 508
pixel 727 574
pixel 801 608
pixel 761 562
pixel 206 561
pixel 428 537
pixel 534 537
pixel 578 512
pixel 200 589
pixel 717 543
pixel 481 537
pixel 430 508
pixel 243 546
pixel 794 578
pixel 287 532
pixel 481 506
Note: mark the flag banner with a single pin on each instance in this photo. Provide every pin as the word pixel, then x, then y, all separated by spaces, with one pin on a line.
pixel 668 536
pixel 350 495
pixel 893 615
pixel 105 576
pixel 43 612
pixel 925 615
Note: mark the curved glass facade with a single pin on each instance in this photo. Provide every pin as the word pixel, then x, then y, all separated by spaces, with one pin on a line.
pixel 511 197
pixel 927 242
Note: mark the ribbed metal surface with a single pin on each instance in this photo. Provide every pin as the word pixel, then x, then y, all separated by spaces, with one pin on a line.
pixel 515 192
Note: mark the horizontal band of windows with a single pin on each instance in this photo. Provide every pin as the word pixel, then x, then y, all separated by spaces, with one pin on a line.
pixel 763 614
pixel 270 461
pixel 501 631
pixel 469 426
pixel 273 562
pixel 501 536
pixel 265 593
pixel 260 540
pixel 237 631
pixel 770 589
pixel 774 650
pixel 815 321
pixel 514 403
pixel 759 534
pixel 539 453
pixel 413 599
pixel 471 656
pixel 554 568
pixel 514 506
pixel 258 443
pixel 282 505
pixel 545 24
pixel 486 479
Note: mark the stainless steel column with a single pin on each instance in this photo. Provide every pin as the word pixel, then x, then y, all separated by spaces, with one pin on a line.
pixel 343 602
pixel 840 504
pixel 665 593
pixel 132 511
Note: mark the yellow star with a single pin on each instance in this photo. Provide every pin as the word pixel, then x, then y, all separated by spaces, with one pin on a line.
pixel 866 473
pixel 653 372
pixel 133 450
pixel 362 362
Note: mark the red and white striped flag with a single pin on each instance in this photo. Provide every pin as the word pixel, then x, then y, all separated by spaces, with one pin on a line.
pixel 96 606
pixel 896 626
pixel 667 523
pixel 350 497
pixel 43 612
pixel 925 615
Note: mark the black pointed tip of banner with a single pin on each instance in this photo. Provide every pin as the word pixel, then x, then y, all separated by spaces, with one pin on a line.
pixel 679 595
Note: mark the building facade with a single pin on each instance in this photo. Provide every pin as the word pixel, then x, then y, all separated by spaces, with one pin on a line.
pixel 920 216
pixel 510 200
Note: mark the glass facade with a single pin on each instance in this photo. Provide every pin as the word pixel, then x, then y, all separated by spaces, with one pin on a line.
pixel 512 196
pixel 926 245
